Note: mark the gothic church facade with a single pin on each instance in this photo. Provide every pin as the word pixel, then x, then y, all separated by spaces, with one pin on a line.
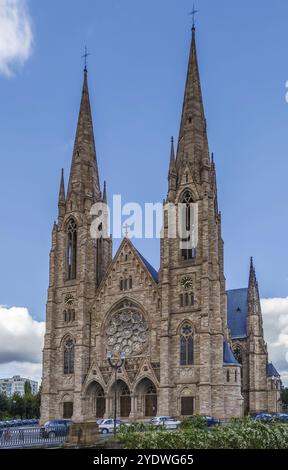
pixel 185 352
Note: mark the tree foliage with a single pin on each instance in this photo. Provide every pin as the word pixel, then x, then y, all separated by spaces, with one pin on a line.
pixel 18 407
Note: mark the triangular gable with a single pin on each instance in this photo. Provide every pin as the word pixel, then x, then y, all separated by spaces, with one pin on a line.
pixel 147 268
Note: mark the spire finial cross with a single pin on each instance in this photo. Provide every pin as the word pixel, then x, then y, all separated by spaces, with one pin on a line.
pixel 126 227
pixel 84 56
pixel 193 13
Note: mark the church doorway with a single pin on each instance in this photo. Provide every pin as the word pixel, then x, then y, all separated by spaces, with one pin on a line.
pixel 147 396
pixel 123 398
pixel 96 400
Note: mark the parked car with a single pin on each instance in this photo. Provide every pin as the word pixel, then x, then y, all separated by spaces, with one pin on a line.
pixel 55 428
pixel 282 417
pixel 168 422
pixel 267 417
pixel 99 421
pixel 211 421
pixel 107 425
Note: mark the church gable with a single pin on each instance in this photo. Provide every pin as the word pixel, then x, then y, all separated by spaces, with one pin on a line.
pixel 129 272
pixel 146 371
pixel 129 291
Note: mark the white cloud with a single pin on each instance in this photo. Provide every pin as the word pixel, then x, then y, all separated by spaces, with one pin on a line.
pixel 275 319
pixel 21 342
pixel 16 36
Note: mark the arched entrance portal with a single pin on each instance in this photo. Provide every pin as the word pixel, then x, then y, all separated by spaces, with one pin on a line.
pixel 147 398
pixel 96 400
pixel 123 398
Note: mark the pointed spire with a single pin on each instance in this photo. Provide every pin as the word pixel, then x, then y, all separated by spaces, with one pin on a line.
pixel 255 320
pixel 172 176
pixel 104 193
pixel 193 142
pixel 172 166
pixel 84 177
pixel 253 291
pixel 61 198
pixel 252 273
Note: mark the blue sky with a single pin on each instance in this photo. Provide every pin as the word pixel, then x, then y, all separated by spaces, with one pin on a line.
pixel 137 72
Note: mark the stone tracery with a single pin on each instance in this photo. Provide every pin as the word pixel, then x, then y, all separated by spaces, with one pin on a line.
pixel 127 330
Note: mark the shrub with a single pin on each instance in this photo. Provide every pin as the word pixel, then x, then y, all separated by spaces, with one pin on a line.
pixel 198 422
pixel 241 434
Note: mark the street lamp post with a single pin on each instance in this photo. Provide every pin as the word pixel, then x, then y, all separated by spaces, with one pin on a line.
pixel 116 363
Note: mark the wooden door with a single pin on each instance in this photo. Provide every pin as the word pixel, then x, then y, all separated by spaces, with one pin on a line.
pixel 150 405
pixel 100 407
pixel 125 406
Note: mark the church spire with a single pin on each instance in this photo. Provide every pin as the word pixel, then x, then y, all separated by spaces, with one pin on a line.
pixel 84 177
pixel 193 143
pixel 254 304
pixel 61 198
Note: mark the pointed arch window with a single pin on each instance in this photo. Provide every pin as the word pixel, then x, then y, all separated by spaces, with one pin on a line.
pixel 186 345
pixel 71 256
pixel 69 353
pixel 188 252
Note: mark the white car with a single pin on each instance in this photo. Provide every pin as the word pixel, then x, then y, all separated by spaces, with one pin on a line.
pixel 168 422
pixel 107 425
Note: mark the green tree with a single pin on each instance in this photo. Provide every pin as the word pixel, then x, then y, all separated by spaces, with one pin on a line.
pixel 4 406
pixel 27 389
pixel 17 406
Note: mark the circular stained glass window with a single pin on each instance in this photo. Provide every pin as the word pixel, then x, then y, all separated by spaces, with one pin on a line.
pixel 127 330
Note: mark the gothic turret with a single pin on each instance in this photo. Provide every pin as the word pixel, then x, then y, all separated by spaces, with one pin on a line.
pixel 172 176
pixel 61 198
pixel 255 321
pixel 257 347
pixel 104 199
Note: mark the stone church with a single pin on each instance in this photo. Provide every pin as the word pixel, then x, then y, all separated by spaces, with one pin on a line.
pixel 190 347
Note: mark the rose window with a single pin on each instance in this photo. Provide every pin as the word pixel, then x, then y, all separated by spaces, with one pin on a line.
pixel 127 330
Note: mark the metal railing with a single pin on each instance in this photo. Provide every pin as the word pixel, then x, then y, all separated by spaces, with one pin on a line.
pixel 32 437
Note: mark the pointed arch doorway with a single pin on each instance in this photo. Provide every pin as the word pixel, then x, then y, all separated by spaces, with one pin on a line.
pixel 147 398
pixel 96 400
pixel 123 398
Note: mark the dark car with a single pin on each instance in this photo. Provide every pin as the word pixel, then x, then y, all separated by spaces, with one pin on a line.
pixel 282 417
pixel 55 428
pixel 210 421
pixel 266 417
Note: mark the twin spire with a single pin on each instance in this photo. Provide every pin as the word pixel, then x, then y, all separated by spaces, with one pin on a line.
pixel 84 176
pixel 192 145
